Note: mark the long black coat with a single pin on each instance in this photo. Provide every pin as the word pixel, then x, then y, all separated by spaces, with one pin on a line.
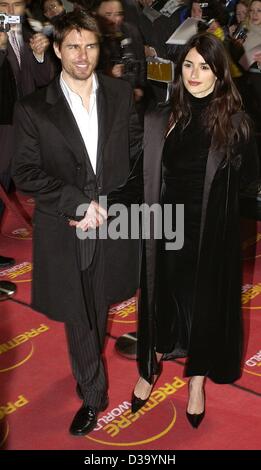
pixel 52 164
pixel 216 327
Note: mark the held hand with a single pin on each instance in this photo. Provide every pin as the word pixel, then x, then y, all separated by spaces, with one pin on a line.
pixel 3 41
pixel 94 217
pixel 138 94
pixel 117 70
pixel 39 43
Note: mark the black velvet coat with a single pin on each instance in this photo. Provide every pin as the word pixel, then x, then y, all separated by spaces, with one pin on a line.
pixel 216 326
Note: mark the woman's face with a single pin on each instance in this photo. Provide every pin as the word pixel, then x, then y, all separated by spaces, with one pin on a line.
pixel 197 75
pixel 241 12
pixel 196 10
pixel 51 8
pixel 255 13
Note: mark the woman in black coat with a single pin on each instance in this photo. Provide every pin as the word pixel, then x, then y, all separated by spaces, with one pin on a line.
pixel 197 153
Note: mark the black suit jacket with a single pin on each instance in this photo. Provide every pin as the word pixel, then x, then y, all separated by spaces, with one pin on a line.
pixel 51 163
pixel 16 82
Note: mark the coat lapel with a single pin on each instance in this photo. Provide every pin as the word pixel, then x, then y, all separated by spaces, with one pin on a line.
pixel 215 157
pixel 153 145
pixel 61 116
pixel 106 104
pixel 102 118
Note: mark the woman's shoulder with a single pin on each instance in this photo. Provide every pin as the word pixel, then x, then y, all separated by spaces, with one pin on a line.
pixel 242 124
pixel 239 117
pixel 160 113
pixel 155 126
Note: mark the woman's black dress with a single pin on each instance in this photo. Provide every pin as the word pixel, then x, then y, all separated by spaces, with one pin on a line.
pixel 183 173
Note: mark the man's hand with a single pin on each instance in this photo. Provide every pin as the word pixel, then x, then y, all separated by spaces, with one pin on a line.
pixel 117 70
pixel 39 43
pixel 150 51
pixel 3 41
pixel 94 217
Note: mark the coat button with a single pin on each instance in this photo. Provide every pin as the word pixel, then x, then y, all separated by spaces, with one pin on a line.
pixel 78 168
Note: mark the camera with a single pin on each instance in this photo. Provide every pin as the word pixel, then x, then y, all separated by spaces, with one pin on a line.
pixel 6 21
pixel 207 17
pixel 240 32
pixel 128 59
pixel 205 11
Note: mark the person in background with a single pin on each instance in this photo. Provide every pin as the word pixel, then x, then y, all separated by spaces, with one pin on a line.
pixel 52 9
pixel 122 50
pixel 24 66
pixel 241 15
pixel 253 40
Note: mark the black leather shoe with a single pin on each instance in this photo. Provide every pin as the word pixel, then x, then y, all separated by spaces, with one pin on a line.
pixel 85 419
pixel 5 261
pixel 195 419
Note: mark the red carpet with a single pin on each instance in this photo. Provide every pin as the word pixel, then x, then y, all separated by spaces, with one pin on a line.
pixel 37 393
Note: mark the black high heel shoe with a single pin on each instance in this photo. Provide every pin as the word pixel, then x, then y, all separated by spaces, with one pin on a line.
pixel 195 419
pixel 136 402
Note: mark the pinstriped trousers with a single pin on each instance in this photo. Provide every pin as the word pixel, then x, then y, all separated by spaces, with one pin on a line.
pixel 86 343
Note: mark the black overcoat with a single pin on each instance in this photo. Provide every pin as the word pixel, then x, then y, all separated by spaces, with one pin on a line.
pixel 51 163
pixel 216 326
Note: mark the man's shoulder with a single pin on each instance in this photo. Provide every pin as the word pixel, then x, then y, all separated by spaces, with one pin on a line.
pixel 38 97
pixel 114 85
pixel 34 97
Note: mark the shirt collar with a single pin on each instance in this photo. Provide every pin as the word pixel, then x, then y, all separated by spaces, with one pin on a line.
pixel 71 96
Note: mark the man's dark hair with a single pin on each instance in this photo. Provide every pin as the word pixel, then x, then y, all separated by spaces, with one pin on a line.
pixel 78 20
pixel 44 1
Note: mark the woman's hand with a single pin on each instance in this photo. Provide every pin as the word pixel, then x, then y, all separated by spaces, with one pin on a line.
pixel 257 58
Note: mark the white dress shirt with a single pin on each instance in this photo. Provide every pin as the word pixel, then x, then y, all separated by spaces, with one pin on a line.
pixel 17 46
pixel 87 121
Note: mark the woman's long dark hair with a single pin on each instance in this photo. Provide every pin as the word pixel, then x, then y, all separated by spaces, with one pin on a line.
pixel 226 101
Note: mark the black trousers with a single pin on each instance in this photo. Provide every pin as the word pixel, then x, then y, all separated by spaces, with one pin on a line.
pixel 85 341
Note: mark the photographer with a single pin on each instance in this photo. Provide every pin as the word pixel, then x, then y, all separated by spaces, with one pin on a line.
pixel 240 19
pixel 212 17
pixel 24 66
pixel 252 49
pixel 122 49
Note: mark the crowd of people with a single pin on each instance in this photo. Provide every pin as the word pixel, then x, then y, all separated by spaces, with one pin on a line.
pixel 79 77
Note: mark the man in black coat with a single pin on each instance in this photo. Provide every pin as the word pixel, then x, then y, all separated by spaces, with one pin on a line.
pixel 78 139
pixel 24 66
